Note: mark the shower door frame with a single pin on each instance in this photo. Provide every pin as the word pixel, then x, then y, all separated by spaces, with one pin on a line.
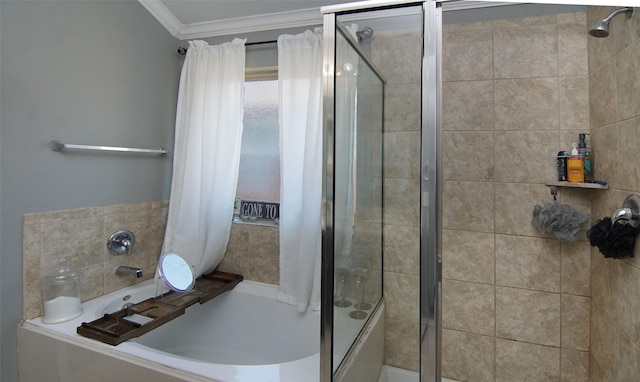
pixel 431 196
pixel 328 136
pixel 328 230
pixel 430 185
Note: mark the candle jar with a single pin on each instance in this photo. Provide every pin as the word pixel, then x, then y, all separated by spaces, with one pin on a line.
pixel 61 294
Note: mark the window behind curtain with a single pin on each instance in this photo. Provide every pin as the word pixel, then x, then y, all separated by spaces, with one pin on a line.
pixel 259 176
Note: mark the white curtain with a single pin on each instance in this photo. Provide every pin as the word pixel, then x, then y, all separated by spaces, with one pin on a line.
pixel 300 91
pixel 208 133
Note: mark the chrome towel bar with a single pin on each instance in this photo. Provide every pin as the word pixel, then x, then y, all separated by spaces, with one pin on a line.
pixel 58 146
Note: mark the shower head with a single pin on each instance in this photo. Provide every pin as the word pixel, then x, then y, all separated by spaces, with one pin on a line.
pixel 366 32
pixel 601 28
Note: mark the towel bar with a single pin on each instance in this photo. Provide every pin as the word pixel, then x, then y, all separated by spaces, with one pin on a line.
pixel 58 146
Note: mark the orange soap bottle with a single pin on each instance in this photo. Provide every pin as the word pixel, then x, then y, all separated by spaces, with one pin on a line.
pixel 575 166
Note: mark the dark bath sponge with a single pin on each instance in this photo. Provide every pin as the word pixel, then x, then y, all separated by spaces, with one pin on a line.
pixel 613 240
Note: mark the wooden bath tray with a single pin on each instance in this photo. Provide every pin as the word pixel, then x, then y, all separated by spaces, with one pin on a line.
pixel 115 328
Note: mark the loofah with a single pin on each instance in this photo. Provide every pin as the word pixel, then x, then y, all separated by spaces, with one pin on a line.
pixel 561 220
pixel 613 240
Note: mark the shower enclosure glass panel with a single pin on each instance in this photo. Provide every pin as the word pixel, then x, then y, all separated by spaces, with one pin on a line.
pixel 358 100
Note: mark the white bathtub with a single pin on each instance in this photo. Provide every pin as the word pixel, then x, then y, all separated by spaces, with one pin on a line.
pixel 241 335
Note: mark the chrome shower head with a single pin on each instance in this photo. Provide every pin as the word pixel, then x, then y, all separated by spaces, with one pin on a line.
pixel 365 33
pixel 601 28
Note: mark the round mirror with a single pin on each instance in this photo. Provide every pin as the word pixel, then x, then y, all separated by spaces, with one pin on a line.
pixel 176 272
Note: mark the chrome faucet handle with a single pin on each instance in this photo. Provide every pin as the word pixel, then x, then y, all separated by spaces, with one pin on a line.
pixel 121 242
pixel 630 211
pixel 622 214
pixel 126 243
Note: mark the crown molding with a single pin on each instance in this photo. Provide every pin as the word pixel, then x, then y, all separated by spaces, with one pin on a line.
pixel 164 16
pixel 248 24
pixel 232 26
pixel 460 5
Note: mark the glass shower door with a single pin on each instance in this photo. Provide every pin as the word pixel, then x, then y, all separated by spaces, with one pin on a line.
pixel 404 44
pixel 357 202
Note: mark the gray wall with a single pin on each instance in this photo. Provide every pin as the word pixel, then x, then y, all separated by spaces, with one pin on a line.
pixel 99 72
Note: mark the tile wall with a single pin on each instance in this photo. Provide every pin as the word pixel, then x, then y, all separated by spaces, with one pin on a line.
pixel 254 252
pixel 79 236
pixel 515 302
pixel 398 56
pixel 614 91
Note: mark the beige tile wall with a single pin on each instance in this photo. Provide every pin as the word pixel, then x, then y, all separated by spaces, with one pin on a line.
pixel 253 252
pixel 614 91
pixel 486 116
pixel 515 302
pixel 79 236
pixel 398 56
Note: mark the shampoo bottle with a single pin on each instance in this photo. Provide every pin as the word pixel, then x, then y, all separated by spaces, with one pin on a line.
pixel 561 160
pixel 585 154
pixel 575 168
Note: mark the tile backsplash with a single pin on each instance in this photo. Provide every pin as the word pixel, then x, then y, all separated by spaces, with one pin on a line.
pixel 254 252
pixel 79 236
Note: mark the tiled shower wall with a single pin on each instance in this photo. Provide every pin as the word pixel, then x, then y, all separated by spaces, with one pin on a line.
pixel 398 56
pixel 614 91
pixel 515 302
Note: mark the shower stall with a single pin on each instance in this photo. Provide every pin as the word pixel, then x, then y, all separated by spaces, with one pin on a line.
pixel 467 90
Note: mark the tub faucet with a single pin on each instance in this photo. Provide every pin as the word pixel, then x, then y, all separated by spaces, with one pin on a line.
pixel 124 270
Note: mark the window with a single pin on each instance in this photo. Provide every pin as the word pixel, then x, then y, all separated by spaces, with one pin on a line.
pixel 258 191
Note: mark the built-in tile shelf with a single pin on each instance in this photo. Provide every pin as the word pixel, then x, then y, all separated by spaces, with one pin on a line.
pixel 578 185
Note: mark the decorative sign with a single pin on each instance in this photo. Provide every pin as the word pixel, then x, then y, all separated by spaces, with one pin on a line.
pixel 253 210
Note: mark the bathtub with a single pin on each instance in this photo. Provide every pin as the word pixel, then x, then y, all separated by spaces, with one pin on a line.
pixel 241 335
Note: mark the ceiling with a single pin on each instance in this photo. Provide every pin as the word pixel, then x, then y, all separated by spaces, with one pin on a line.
pixel 187 19
pixel 190 12
pixel 190 19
